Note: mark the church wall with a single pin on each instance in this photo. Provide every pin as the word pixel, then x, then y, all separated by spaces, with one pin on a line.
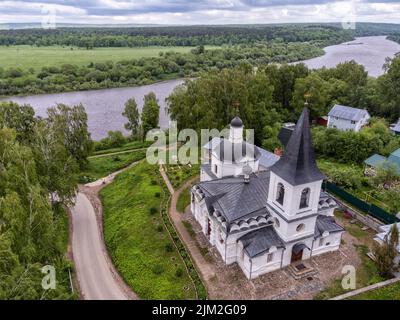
pixel 287 230
pixel 329 244
pixel 260 266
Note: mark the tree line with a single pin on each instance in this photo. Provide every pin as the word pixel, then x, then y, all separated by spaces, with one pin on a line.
pixel 40 160
pixel 176 36
pixel 276 94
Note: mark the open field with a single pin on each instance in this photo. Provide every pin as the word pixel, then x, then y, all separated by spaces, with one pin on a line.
pixel 26 57
pixel 139 245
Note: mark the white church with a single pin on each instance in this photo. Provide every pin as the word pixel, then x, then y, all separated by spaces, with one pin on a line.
pixel 261 211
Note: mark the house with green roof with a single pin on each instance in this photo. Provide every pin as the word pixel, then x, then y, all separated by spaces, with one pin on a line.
pixel 377 161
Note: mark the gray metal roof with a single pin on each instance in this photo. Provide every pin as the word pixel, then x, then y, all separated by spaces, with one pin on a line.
pixel 284 135
pixel 268 159
pixel 212 144
pixel 258 242
pixel 236 199
pixel 325 223
pixel 348 113
pixel 235 152
pixel 298 165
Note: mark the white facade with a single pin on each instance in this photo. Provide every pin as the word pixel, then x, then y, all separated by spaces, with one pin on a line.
pixel 347 118
pixel 291 217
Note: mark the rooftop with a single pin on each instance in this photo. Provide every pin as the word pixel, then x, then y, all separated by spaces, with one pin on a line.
pixel 257 242
pixel 298 165
pixel 348 113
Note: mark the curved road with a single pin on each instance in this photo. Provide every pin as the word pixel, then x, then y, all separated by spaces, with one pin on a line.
pixel 95 277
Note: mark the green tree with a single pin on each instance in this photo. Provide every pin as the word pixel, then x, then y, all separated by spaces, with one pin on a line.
pixel 20 118
pixel 150 114
pixel 131 112
pixel 71 123
pixel 385 253
pixel 315 90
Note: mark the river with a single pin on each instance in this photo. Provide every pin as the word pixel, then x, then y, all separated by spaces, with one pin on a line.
pixel 104 107
pixel 371 52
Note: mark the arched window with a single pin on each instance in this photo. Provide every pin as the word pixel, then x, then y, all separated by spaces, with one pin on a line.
pixel 276 223
pixel 305 198
pixel 280 194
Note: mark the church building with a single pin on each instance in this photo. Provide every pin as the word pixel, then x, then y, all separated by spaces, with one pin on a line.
pixel 264 212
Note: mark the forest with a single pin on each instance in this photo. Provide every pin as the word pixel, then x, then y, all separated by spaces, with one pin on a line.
pixel 176 36
pixel 39 166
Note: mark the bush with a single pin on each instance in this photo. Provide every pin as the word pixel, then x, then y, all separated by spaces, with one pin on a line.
pixel 160 228
pixel 179 272
pixel 157 195
pixel 169 247
pixel 158 269
pixel 153 211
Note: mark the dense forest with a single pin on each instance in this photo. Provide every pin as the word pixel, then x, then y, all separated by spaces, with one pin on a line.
pixel 39 166
pixel 176 36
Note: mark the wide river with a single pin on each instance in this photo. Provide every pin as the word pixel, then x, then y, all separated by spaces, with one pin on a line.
pixel 104 107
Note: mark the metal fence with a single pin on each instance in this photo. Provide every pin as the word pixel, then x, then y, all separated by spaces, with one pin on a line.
pixel 361 205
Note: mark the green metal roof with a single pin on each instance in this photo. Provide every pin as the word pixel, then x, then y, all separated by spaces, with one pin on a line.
pixel 376 160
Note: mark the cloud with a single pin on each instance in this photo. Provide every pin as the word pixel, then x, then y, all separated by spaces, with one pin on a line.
pixel 200 11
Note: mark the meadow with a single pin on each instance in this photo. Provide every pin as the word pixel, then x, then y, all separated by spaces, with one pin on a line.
pixel 26 57
pixel 139 244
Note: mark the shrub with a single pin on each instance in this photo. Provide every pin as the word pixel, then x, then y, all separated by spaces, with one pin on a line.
pixel 160 228
pixel 158 269
pixel 179 272
pixel 157 195
pixel 169 247
pixel 153 211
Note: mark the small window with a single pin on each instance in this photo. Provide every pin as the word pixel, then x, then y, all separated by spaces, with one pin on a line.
pixel 301 227
pixel 328 244
pixel 270 258
pixel 321 242
pixel 216 169
pixel 221 238
pixel 305 198
pixel 353 122
pixel 277 224
pixel 280 194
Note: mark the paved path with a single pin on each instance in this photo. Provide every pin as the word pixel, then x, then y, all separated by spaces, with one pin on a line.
pixel 204 267
pixel 95 277
pixel 98 279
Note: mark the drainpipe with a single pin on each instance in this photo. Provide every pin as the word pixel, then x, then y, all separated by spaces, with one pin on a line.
pixel 283 252
pixel 251 268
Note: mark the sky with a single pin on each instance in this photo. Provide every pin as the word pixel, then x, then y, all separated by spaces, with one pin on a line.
pixel 191 12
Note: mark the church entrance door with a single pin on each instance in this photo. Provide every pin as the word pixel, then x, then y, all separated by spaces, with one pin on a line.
pixel 297 252
pixel 209 228
pixel 297 256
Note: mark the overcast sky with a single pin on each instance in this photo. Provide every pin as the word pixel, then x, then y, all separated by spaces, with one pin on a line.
pixel 199 11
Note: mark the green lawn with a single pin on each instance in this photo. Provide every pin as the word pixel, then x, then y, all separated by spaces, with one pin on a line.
pixel 391 292
pixel 101 167
pixel 183 200
pixel 26 57
pixel 128 146
pixel 135 236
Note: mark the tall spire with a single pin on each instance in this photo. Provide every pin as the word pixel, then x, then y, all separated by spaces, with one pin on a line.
pixel 298 165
